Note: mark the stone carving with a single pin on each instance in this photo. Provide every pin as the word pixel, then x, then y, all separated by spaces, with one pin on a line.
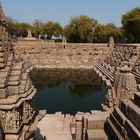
pixel 3 117
pixel 111 42
pixel 14 82
pixel 17 119
pixel 27 111
pixel 12 121
pixel 9 121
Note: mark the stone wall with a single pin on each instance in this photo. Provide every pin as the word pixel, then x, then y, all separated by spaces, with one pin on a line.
pixel 60 55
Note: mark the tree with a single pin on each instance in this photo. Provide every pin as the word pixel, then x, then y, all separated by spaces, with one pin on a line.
pixel 52 28
pixel 22 29
pixel 16 28
pixel 37 28
pixel 80 29
pixel 104 32
pixel 131 25
pixel 11 25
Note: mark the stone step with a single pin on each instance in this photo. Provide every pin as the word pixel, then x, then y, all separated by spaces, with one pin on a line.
pixel 24 76
pixel 3 82
pixel 1 54
pixel 133 113
pixel 13 90
pixel 16 72
pixel 2 48
pixel 17 66
pixel 67 122
pixel 4 93
pixel 2 65
pixel 96 135
pixel 14 78
pixel 13 83
pixel 28 86
pixel 6 69
pixel 22 87
pixel 133 132
pixel 114 132
pixel 119 116
pixel 105 72
pixel 117 124
pixel 2 60
pixel 4 74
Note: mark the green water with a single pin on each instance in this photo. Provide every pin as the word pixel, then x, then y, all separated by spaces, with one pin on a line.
pixel 67 90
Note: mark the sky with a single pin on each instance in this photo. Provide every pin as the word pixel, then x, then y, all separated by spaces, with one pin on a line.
pixel 105 11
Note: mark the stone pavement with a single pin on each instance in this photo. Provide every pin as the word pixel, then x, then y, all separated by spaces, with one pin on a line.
pixel 55 127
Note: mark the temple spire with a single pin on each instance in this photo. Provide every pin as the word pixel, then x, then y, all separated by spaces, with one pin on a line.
pixel 2 16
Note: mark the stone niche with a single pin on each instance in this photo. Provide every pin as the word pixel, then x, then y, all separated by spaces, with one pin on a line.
pixel 11 121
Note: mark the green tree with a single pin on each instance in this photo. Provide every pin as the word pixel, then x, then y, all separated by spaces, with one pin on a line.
pixel 11 25
pixel 80 29
pixel 131 25
pixel 22 29
pixel 52 28
pixel 104 32
pixel 16 28
pixel 37 28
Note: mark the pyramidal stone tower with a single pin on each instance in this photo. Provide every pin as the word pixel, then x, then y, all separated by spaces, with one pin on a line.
pixel 16 88
pixel 125 84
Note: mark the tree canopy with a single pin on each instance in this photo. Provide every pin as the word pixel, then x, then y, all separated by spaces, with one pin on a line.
pixel 52 28
pixel 37 28
pixel 104 32
pixel 131 25
pixel 16 28
pixel 82 29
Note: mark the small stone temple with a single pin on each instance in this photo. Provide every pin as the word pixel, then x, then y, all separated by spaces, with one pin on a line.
pixel 16 89
pixel 29 36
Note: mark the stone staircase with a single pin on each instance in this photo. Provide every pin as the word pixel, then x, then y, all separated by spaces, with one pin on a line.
pixel 105 72
pixel 124 121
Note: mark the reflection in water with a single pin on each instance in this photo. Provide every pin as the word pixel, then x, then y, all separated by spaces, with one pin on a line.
pixel 67 90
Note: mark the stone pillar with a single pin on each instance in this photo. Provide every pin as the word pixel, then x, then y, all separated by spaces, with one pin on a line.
pixel 111 42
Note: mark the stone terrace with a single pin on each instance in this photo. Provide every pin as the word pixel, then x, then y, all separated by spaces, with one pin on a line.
pixel 124 121
pixel 82 126
pixel 119 68
pixel 59 55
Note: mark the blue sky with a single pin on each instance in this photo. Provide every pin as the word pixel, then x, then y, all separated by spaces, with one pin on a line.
pixel 105 11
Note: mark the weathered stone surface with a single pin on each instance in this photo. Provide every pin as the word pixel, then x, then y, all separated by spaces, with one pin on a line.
pixel 43 54
pixel 54 128
pixel 58 126
pixel 3 93
pixel 96 135
pixel 15 108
